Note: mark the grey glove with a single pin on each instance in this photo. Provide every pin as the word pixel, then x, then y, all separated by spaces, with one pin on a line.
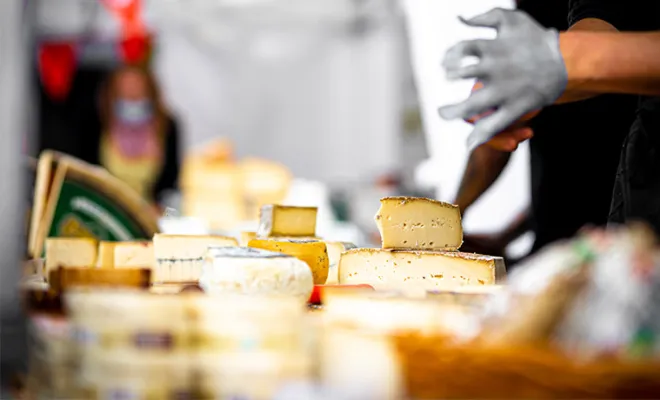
pixel 522 70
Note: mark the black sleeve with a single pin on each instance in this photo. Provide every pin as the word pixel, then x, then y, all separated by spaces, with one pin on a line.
pixel 170 175
pixel 615 12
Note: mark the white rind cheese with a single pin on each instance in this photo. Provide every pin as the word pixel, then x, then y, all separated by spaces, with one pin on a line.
pixel 255 271
pixel 276 220
pixel 179 258
pixel 419 224
pixel 418 271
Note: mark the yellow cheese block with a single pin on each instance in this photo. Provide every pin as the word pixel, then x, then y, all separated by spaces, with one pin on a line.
pixel 335 249
pixel 70 252
pixel 246 237
pixel 313 252
pixel 139 254
pixel 418 271
pixel 419 224
pixel 106 255
pixel 276 220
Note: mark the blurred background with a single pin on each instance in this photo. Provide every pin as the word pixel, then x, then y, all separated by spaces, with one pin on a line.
pixel 322 102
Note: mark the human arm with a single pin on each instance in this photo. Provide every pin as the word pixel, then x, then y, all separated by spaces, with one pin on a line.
pixel 484 166
pixel 495 244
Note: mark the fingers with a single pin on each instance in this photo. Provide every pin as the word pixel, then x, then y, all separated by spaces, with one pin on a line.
pixel 454 57
pixel 509 140
pixel 491 19
pixel 477 70
pixel 479 102
pixel 488 127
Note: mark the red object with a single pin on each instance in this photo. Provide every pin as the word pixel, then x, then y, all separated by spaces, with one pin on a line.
pixel 129 13
pixel 134 49
pixel 57 64
pixel 317 293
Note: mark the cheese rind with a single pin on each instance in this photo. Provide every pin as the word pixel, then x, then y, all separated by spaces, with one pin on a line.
pixel 335 250
pixel 134 254
pixel 70 252
pixel 179 258
pixel 419 224
pixel 312 252
pixel 255 271
pixel 282 221
pixel 419 271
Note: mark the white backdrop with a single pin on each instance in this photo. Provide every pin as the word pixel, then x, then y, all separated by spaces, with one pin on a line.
pixel 433 27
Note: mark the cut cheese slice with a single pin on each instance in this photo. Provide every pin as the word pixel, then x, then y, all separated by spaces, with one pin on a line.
pixel 179 258
pixel 138 254
pixel 418 271
pixel 70 252
pixel 419 224
pixel 246 237
pixel 276 220
pixel 255 272
pixel 312 252
pixel 106 257
pixel 335 250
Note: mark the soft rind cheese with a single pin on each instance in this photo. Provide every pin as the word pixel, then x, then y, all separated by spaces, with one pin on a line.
pixel 106 255
pixel 134 254
pixel 335 250
pixel 255 271
pixel 312 252
pixel 418 271
pixel 70 252
pixel 283 221
pixel 419 223
pixel 179 258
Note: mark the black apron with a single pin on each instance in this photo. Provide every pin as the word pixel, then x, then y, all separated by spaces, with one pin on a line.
pixel 636 194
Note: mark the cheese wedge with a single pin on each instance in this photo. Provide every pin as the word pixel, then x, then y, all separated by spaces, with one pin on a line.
pixel 255 272
pixel 419 224
pixel 335 249
pixel 70 252
pixel 179 258
pixel 312 252
pixel 106 255
pixel 276 220
pixel 418 271
pixel 138 254
pixel 246 237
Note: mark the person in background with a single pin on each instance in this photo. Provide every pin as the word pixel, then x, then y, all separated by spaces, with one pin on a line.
pixel 137 140
pixel 570 185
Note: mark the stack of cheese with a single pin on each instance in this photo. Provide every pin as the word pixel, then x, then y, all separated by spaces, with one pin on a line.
pixel 227 193
pixel 420 242
pixel 292 230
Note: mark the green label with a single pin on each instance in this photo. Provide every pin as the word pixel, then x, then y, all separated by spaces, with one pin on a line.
pixel 82 211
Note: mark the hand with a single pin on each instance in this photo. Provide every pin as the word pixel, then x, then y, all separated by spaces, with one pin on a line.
pixel 490 244
pixel 522 70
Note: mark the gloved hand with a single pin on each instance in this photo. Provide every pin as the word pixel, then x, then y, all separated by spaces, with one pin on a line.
pixel 522 70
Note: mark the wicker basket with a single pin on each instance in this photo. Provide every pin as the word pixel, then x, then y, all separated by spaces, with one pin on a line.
pixel 434 369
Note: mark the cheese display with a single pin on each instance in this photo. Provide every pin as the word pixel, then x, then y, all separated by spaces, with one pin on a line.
pixel 418 270
pixel 255 271
pixel 287 221
pixel 134 254
pixel 65 278
pixel 419 224
pixel 106 255
pixel 69 252
pixel 179 258
pixel 335 250
pixel 312 252
pixel 226 192
pixel 81 200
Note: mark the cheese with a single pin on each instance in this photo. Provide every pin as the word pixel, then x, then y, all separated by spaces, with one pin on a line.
pixel 335 249
pixel 86 201
pixel 312 252
pixel 179 258
pixel 134 254
pixel 70 252
pixel 419 223
pixel 264 182
pixel 106 255
pixel 246 237
pixel 276 220
pixel 68 277
pixel 418 271
pixel 255 271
